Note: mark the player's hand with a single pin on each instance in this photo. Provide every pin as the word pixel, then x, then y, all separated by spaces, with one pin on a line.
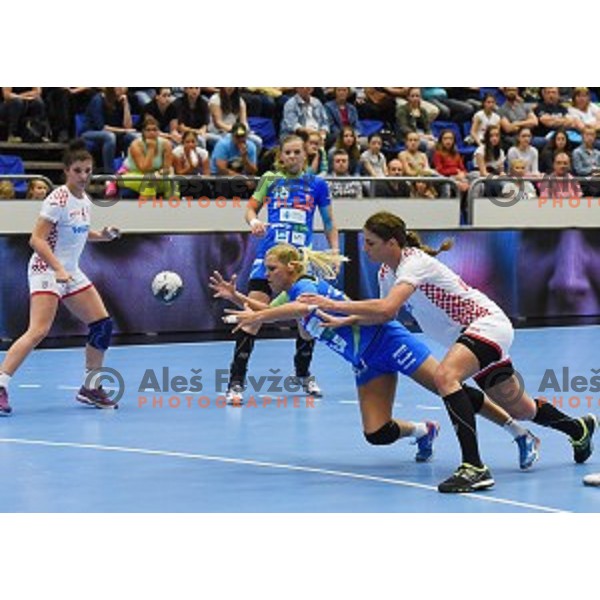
pixel 241 318
pixel 62 276
pixel 223 289
pixel 258 228
pixel 330 322
pixel 316 300
pixel 111 233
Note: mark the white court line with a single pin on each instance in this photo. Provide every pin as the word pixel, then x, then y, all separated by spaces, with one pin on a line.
pixel 348 401
pixel 29 386
pixel 68 387
pixel 429 407
pixel 270 465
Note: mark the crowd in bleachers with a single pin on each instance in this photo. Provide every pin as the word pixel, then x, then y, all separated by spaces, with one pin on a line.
pixel 382 133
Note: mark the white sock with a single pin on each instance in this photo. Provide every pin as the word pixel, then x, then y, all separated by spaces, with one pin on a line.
pixel 514 428
pixel 420 430
pixel 90 382
pixel 5 380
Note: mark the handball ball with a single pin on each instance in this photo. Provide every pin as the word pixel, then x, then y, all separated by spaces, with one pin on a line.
pixel 167 286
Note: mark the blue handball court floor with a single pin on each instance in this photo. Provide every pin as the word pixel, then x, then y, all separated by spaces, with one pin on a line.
pixel 183 451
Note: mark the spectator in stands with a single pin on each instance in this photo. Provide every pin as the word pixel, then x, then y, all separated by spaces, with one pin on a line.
pixel 63 104
pixel 37 189
pixel 379 104
pixel 234 154
pixel 517 188
pixel 372 160
pixel 526 152
pixel 108 123
pixel 261 101
pixel 422 189
pixel 163 109
pixel 347 140
pixel 560 185
pixel 193 114
pixel 20 105
pixel 489 157
pixel 189 158
pixel 448 162
pixel 226 108
pixel 514 115
pixel 486 117
pixel 583 112
pixel 413 118
pixel 7 190
pixel 551 114
pixel 450 109
pixel 490 161
pixel 316 156
pixel 11 112
pixel 149 160
pixel 559 143
pixel 470 96
pixel 414 162
pixel 586 161
pixel 343 189
pixel 393 189
pixel 303 114
pixel 340 112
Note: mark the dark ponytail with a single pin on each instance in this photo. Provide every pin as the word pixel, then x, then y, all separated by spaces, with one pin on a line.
pixel 388 226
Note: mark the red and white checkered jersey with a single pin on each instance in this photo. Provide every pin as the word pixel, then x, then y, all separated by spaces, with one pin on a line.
pixel 70 217
pixel 443 304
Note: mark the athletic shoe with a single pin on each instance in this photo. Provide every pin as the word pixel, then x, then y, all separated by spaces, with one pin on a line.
pixel 308 384
pixel 235 395
pixel 95 397
pixel 592 480
pixel 425 443
pixel 466 479
pixel 5 408
pixel 529 446
pixel 583 448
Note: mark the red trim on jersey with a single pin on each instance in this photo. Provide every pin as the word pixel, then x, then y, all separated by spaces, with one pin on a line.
pixel 485 341
pixel 460 310
pixel 44 294
pixel 501 363
pixel 83 289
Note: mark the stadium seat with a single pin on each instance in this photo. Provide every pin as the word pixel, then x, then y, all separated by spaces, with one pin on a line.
pixel 13 165
pixel 500 99
pixel 367 127
pixel 265 129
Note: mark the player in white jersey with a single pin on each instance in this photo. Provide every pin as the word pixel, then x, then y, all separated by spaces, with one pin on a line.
pixel 476 330
pixel 58 239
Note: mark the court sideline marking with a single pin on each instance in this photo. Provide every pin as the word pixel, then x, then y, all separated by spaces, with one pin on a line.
pixel 262 464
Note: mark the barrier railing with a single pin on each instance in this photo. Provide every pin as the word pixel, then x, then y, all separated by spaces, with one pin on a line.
pixel 554 188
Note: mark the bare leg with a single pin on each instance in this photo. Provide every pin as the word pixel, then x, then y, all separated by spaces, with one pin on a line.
pixel 42 311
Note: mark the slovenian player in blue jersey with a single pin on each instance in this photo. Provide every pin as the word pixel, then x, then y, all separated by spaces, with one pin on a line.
pixel 291 198
pixel 377 353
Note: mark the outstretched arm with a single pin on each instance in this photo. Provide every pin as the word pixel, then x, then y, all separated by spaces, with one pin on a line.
pixel 375 311
pixel 226 290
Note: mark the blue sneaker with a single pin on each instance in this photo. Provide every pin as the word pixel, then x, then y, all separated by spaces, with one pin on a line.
pixel 529 447
pixel 425 443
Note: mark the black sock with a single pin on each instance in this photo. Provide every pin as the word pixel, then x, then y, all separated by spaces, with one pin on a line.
pixel 548 415
pixel 476 397
pixel 244 344
pixel 303 356
pixel 461 414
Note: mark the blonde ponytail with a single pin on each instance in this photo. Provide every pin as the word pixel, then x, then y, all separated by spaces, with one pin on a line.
pixel 324 263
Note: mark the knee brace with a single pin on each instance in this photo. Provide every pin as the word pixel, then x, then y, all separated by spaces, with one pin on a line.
pixel 100 333
pixel 386 436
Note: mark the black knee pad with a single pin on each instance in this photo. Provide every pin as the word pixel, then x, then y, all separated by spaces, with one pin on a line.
pixel 100 333
pixel 387 435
